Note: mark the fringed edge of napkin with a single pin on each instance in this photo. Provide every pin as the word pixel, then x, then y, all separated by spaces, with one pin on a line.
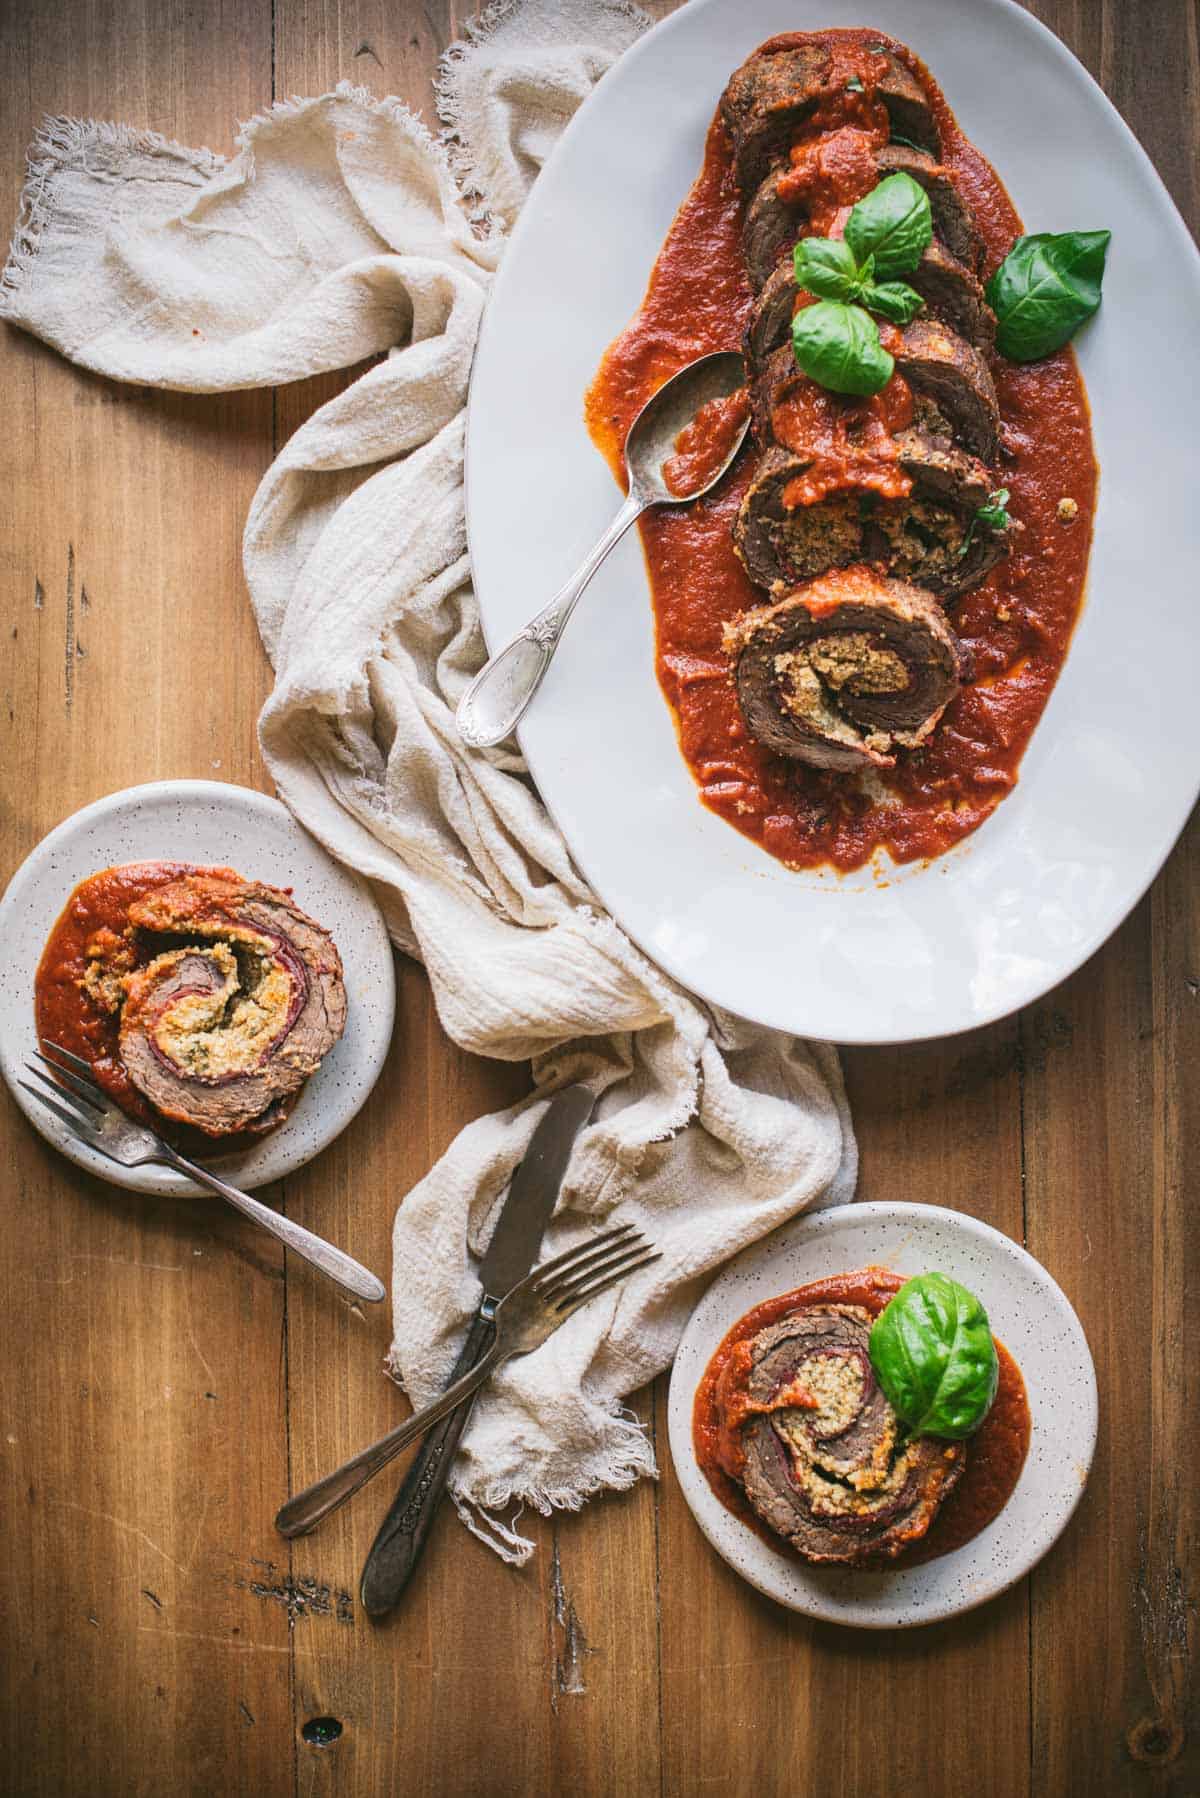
pixel 64 142
pixel 475 34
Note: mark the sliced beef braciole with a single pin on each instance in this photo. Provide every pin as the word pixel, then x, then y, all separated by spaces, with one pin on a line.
pixel 777 90
pixel 937 365
pixel 936 362
pixel 926 537
pixel 827 1464
pixel 846 671
pixel 233 1017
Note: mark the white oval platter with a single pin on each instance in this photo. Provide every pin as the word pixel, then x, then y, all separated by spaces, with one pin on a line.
pixel 1029 1314
pixel 1111 773
pixel 215 825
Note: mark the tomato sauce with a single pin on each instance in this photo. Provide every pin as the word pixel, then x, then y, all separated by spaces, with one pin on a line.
pixel 995 1453
pixel 1017 623
pixel 703 445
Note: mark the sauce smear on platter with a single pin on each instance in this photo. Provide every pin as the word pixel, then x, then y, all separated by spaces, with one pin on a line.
pixel 1017 623
pixel 995 1453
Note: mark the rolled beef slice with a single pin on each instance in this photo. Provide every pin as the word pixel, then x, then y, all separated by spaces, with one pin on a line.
pixel 217 1032
pixel 827 1464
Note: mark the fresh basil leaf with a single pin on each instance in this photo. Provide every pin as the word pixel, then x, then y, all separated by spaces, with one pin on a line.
pixel 825 266
pixel 839 347
pixel 855 86
pixel 894 224
pixel 934 1357
pixel 1046 287
pixel 895 300
pixel 993 513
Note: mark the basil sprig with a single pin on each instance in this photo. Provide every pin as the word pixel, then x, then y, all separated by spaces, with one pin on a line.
pixel 993 513
pixel 934 1357
pixel 1046 287
pixel 886 235
pixel 827 267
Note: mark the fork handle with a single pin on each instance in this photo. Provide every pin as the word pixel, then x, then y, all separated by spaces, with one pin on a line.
pixel 334 1263
pixel 401 1537
pixel 306 1510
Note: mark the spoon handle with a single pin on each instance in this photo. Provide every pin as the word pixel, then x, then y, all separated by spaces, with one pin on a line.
pixel 495 702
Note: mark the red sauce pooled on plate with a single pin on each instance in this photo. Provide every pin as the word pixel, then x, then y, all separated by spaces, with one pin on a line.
pixel 995 1453
pixel 1017 623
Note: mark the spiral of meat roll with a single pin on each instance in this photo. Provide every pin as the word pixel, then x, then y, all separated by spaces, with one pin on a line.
pixel 222 1030
pixel 843 673
pixel 827 1464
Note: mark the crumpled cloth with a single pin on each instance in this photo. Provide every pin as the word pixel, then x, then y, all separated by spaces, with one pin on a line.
pixel 342 231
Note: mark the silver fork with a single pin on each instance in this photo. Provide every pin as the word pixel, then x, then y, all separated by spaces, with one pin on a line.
pixel 91 1115
pixel 524 1318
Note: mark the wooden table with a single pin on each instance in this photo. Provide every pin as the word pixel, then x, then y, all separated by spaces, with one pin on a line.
pixel 167 1376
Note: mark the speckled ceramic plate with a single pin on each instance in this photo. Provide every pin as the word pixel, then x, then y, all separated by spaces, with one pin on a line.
pixel 1029 1314
pixel 213 824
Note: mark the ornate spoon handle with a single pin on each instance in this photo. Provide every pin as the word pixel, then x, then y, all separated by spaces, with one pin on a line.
pixel 494 703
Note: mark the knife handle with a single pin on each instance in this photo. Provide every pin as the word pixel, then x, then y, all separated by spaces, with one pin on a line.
pixel 403 1533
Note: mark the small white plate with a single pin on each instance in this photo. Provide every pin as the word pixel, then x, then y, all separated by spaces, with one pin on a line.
pixel 1029 1314
pixel 214 825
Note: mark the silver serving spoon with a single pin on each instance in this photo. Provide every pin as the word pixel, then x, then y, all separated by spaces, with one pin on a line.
pixel 494 703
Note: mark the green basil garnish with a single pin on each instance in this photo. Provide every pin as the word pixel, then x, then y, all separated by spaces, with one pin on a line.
pixel 1046 287
pixel 825 266
pixel 894 300
pixel 855 86
pixel 993 513
pixel 893 224
pixel 839 347
pixel 934 1357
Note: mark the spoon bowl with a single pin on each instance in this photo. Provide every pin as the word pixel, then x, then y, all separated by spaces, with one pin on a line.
pixel 653 433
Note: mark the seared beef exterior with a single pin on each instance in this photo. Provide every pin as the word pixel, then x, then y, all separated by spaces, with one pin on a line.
pixel 828 1465
pixel 937 365
pixel 926 537
pixel 227 1023
pixel 778 89
pixel 844 672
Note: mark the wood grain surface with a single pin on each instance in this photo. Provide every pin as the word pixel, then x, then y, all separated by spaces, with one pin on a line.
pixel 167 1372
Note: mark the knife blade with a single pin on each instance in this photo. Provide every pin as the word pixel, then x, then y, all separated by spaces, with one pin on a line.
pixel 510 1254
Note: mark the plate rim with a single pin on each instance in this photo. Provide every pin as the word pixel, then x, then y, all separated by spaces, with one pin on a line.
pixel 682 1388
pixel 1035 986
pixel 163 1182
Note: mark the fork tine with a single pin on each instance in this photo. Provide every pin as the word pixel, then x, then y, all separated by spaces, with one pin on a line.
pixel 588 1254
pixel 83 1089
pixel 603 1284
pixel 65 1055
pixel 581 1248
pixel 569 1282
pixel 77 1125
pixel 82 1112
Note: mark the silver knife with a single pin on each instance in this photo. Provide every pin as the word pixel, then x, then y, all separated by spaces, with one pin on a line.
pixel 510 1254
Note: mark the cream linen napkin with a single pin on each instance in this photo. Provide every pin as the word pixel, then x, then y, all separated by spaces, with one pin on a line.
pixel 335 234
